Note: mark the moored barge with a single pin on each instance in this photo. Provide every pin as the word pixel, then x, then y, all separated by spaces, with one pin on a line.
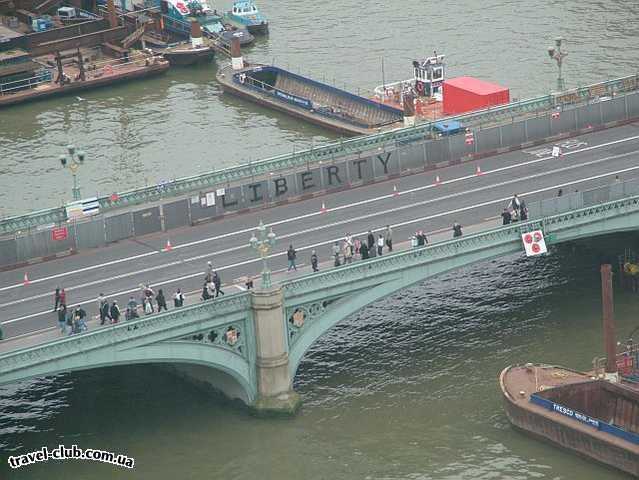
pixel 309 100
pixel 589 416
pixel 596 414
pixel 82 74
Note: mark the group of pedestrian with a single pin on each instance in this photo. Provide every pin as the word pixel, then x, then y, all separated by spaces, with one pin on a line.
pixel 212 287
pixel 74 321
pixel 516 210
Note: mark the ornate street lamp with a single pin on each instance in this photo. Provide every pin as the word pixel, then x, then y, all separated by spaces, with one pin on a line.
pixel 73 160
pixel 263 246
pixel 558 55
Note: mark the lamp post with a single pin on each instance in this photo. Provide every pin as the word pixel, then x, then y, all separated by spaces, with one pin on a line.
pixel 263 245
pixel 558 55
pixel 73 160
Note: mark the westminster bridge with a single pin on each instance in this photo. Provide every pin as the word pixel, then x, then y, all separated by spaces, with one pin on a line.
pixel 249 345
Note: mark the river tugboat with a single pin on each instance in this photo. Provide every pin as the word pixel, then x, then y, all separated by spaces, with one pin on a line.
pixel 435 97
pixel 246 14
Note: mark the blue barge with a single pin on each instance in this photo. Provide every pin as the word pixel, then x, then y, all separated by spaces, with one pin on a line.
pixel 309 99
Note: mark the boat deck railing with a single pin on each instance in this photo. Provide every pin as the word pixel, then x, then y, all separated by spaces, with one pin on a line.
pixel 26 83
pixel 99 68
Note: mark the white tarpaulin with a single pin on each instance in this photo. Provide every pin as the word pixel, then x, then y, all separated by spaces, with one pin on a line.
pixel 534 243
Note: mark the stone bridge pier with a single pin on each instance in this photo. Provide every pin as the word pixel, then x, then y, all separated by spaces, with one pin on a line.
pixel 274 383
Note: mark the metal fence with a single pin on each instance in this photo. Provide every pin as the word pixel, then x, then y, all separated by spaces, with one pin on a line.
pixel 576 200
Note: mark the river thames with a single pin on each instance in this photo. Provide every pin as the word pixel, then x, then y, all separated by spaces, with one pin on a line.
pixel 405 389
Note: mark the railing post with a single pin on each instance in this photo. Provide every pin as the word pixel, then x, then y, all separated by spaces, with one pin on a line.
pixel 274 382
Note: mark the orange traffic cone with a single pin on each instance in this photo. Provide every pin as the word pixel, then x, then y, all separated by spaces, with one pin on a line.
pixel 437 180
pixel 168 247
pixel 26 280
pixel 395 191
pixel 478 171
pixel 323 209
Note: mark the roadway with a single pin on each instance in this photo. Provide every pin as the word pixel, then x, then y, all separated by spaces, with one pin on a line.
pixel 462 195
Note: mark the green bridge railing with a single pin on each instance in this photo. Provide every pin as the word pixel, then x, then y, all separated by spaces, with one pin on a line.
pixel 330 151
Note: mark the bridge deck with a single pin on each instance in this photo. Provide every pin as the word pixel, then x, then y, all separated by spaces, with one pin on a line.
pixel 589 161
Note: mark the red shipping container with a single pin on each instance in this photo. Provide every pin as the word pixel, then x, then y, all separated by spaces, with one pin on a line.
pixel 465 94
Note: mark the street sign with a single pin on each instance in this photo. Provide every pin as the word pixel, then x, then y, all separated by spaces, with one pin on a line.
pixel 534 243
pixel 83 208
pixel 59 234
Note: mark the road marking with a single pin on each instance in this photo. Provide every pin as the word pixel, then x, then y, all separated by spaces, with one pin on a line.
pixel 313 214
pixel 328 242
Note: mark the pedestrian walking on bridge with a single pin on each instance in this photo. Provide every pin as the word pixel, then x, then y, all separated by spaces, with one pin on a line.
pixel 178 299
pixel 389 238
pixel 363 250
pixel 217 283
pixel 336 252
pixel 114 312
pixel 63 297
pixel 347 253
pixel 205 292
pixel 56 298
pixel 291 255
pixel 457 230
pixel 370 242
pixel 161 301
pixel 506 217
pixel 314 261
pixel 62 318
pixel 380 245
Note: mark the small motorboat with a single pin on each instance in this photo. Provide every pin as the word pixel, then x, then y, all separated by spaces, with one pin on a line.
pixel 185 53
pixel 246 14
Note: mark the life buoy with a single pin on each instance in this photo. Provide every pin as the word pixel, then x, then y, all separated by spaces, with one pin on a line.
pixel 108 69
pixel 419 86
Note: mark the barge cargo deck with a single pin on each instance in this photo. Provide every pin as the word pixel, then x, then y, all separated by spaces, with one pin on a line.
pixel 138 66
pixel 309 100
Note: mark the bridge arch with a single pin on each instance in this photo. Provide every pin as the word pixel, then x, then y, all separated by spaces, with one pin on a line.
pixel 220 368
pixel 341 306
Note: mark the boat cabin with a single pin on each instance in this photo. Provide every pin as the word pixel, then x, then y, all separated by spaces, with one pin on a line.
pixel 244 8
pixel 429 76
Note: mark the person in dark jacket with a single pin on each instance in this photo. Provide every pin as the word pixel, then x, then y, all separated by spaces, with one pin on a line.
pixel 363 250
pixel 114 312
pixel 523 211
pixel 205 292
pixel 291 255
pixel 56 298
pixel 314 261
pixel 370 242
pixel 217 283
pixel 62 318
pixel 457 230
pixel 506 217
pixel 161 301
